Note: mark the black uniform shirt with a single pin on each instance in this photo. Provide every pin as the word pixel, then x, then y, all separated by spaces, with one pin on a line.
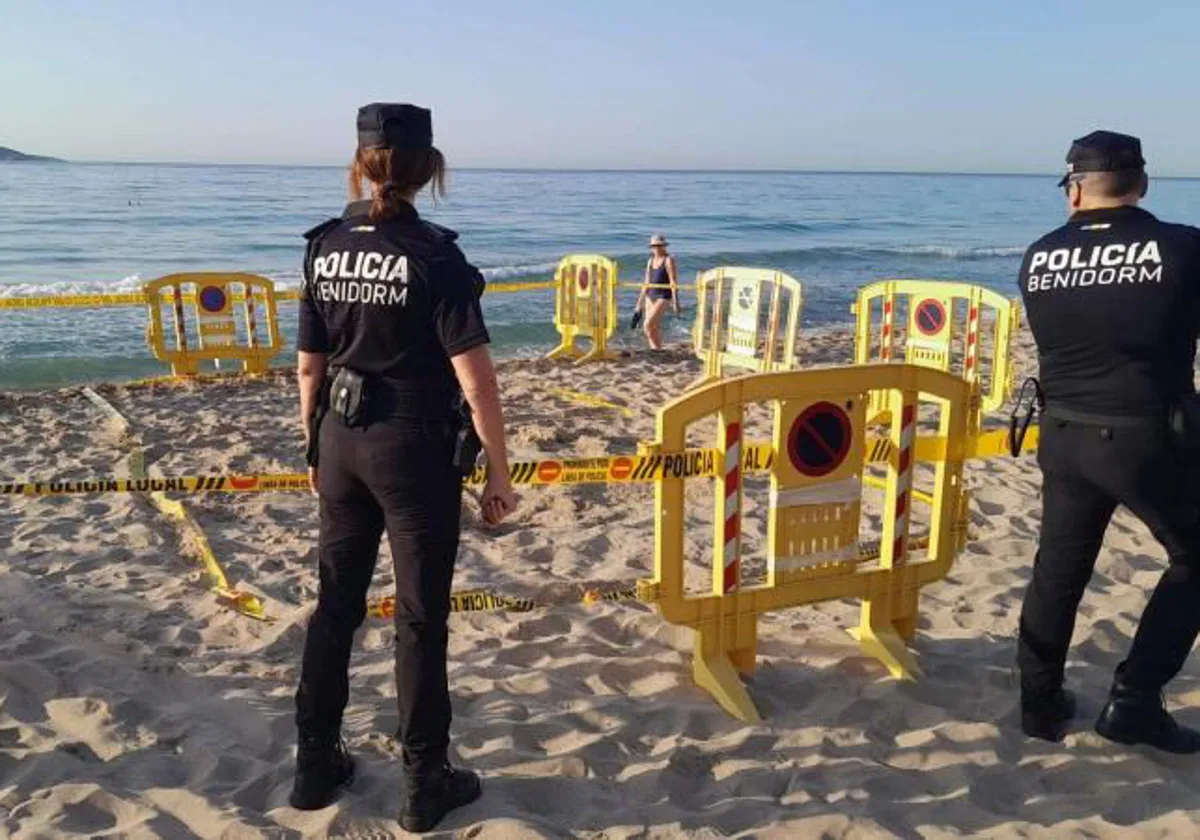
pixel 393 299
pixel 1112 298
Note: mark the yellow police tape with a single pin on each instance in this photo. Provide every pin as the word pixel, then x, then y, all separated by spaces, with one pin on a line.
pixel 245 603
pixel 73 301
pixel 194 537
pixel 532 286
pixel 100 301
pixel 487 600
pixel 618 469
pixel 590 400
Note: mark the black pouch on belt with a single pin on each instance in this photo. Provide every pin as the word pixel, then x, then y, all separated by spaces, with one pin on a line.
pixel 348 396
pixel 1018 425
pixel 313 450
pixel 467 444
pixel 1184 421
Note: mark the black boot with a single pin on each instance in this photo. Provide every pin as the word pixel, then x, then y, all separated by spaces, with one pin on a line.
pixel 1047 715
pixel 324 768
pixel 1137 716
pixel 432 797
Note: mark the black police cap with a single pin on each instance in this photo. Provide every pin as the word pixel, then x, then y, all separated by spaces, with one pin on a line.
pixel 1103 151
pixel 383 125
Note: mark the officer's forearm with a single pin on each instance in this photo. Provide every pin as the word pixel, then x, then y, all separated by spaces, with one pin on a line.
pixel 477 377
pixel 489 425
pixel 310 375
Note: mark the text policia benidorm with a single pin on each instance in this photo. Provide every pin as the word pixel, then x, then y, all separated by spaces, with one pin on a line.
pixel 1101 265
pixel 362 277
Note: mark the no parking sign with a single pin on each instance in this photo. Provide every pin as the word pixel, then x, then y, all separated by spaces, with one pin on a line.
pixel 929 321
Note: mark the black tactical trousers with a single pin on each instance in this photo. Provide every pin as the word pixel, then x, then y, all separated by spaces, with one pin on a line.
pixel 394 475
pixel 1088 470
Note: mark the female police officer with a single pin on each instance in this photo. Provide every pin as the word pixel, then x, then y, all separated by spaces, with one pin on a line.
pixel 390 314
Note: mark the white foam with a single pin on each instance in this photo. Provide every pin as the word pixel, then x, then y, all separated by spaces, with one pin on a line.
pixel 282 280
pixel 132 283
pixel 505 272
pixel 957 252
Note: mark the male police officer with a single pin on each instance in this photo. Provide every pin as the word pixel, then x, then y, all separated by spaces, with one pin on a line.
pixel 1112 297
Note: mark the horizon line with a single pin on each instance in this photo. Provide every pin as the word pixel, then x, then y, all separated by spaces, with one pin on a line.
pixel 607 169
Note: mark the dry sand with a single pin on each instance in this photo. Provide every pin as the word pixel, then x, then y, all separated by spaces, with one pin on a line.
pixel 132 704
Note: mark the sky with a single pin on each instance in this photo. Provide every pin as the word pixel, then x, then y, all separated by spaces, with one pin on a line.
pixel 895 85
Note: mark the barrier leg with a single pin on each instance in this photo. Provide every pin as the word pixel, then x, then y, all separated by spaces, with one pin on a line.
pixel 745 656
pixel 716 672
pixel 906 619
pixel 590 356
pixel 889 614
pixel 566 349
pixel 880 638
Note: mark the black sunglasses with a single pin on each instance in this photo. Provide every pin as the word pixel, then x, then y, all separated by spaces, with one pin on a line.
pixel 1071 179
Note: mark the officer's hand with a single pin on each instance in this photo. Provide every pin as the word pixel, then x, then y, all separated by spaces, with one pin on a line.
pixel 497 501
pixel 312 480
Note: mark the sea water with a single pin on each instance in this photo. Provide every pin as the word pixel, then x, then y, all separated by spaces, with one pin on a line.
pixel 99 228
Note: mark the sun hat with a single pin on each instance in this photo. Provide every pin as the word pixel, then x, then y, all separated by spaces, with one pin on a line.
pixel 658 239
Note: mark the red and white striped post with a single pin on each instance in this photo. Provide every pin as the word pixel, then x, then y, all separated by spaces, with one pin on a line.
pixel 885 349
pixel 903 483
pixel 732 507
pixel 180 329
pixel 251 325
pixel 971 362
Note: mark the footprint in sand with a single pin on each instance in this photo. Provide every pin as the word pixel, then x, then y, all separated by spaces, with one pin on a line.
pixel 535 629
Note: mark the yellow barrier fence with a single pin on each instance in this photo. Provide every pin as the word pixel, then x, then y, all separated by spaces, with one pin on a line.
pixel 212 330
pixel 945 330
pixel 746 319
pixel 585 306
pixel 813 554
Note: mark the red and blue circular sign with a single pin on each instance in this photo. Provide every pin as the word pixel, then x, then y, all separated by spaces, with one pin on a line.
pixel 930 316
pixel 819 439
pixel 213 299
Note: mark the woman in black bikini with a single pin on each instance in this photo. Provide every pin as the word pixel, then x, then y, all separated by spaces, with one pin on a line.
pixel 660 287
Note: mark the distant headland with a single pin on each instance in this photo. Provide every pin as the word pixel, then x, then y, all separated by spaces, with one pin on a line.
pixel 13 156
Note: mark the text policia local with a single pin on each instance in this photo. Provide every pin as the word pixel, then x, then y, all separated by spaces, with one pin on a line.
pixel 1101 265
pixel 361 277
